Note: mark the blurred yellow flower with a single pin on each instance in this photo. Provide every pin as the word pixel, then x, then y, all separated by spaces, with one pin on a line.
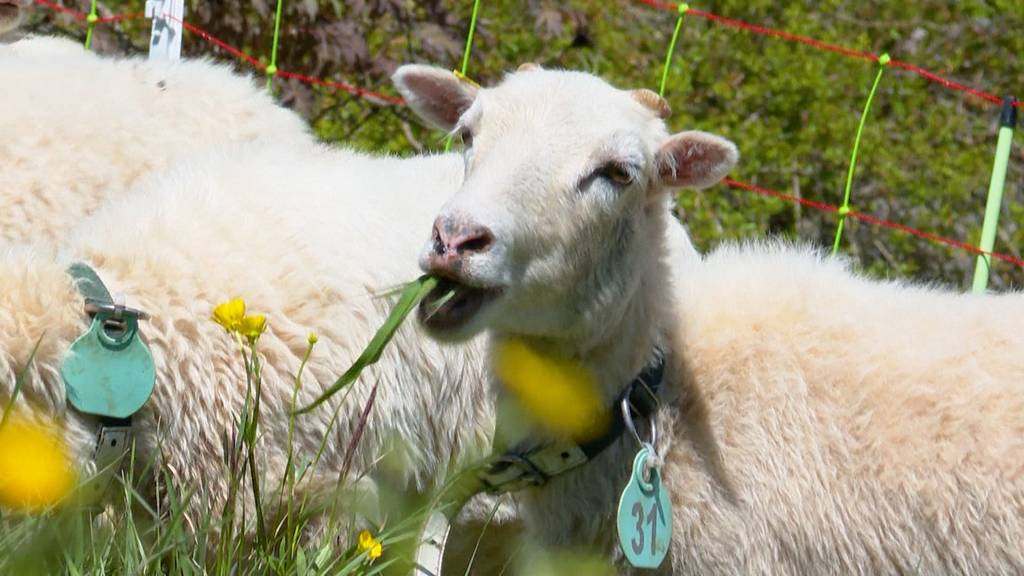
pixel 252 326
pixel 370 545
pixel 35 468
pixel 313 338
pixel 560 393
pixel 230 314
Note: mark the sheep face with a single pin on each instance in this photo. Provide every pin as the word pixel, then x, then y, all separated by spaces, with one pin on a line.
pixel 11 13
pixel 563 207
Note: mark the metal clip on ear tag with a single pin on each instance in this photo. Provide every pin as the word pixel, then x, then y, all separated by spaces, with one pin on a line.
pixel 645 516
pixel 108 370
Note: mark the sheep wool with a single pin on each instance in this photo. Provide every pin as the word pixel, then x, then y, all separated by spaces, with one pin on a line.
pixel 79 129
pixel 812 421
pixel 310 238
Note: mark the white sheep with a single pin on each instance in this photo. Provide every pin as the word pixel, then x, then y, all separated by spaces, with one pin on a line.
pixel 304 234
pixel 70 156
pixel 186 226
pixel 811 420
pixel 79 129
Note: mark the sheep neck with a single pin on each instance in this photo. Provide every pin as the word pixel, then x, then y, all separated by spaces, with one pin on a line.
pixel 624 342
pixel 552 510
pixel 622 349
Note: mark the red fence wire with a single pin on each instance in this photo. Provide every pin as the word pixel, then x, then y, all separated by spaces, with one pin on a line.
pixel 79 15
pixel 219 43
pixel 255 63
pixel 824 207
pixel 874 220
pixel 950 84
pixel 354 90
pixel 334 84
pixel 62 9
pixel 730 22
pixel 377 97
pixel 121 18
pixel 825 46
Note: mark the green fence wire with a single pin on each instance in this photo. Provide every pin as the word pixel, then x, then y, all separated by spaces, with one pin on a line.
pixel 682 9
pixel 844 210
pixel 91 24
pixel 271 70
pixel 465 57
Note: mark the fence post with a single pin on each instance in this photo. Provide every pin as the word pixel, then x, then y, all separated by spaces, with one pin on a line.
pixel 983 267
pixel 168 17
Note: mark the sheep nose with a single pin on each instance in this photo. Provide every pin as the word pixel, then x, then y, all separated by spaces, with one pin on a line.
pixel 459 238
pixel 455 239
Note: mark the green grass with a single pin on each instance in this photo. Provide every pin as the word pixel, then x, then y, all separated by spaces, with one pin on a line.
pixel 129 537
pixel 412 294
pixel 286 526
pixel 291 529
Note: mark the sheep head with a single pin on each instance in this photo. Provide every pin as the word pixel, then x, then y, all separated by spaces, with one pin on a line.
pixel 564 204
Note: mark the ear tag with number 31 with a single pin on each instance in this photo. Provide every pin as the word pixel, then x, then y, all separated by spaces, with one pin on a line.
pixel 645 516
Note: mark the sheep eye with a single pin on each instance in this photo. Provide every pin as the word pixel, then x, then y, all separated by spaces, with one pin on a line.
pixel 467 138
pixel 617 174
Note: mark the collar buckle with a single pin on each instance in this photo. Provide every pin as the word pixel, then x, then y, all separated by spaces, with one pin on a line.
pixel 112 444
pixel 511 472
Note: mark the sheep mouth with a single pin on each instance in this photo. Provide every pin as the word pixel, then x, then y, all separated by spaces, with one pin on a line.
pixel 451 305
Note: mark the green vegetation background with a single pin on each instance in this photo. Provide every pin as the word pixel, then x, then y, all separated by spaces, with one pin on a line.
pixel 926 154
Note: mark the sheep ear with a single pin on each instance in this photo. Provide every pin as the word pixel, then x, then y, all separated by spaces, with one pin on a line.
pixel 649 99
pixel 435 94
pixel 695 159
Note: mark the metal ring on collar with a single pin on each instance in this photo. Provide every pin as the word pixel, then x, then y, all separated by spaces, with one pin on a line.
pixel 94 307
pixel 627 418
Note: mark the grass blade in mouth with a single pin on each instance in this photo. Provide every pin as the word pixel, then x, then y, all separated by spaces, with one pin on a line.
pixel 440 303
pixel 413 293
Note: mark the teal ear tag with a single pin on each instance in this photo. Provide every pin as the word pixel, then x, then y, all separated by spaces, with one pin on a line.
pixel 645 516
pixel 109 371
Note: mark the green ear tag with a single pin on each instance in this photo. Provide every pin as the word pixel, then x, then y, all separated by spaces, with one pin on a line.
pixel 645 517
pixel 109 371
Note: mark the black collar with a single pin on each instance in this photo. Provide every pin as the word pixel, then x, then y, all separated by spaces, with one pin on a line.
pixel 530 464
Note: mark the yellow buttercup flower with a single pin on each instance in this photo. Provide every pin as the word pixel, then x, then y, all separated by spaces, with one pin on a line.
pixel 559 393
pixel 312 339
pixel 367 543
pixel 230 314
pixel 35 468
pixel 252 326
